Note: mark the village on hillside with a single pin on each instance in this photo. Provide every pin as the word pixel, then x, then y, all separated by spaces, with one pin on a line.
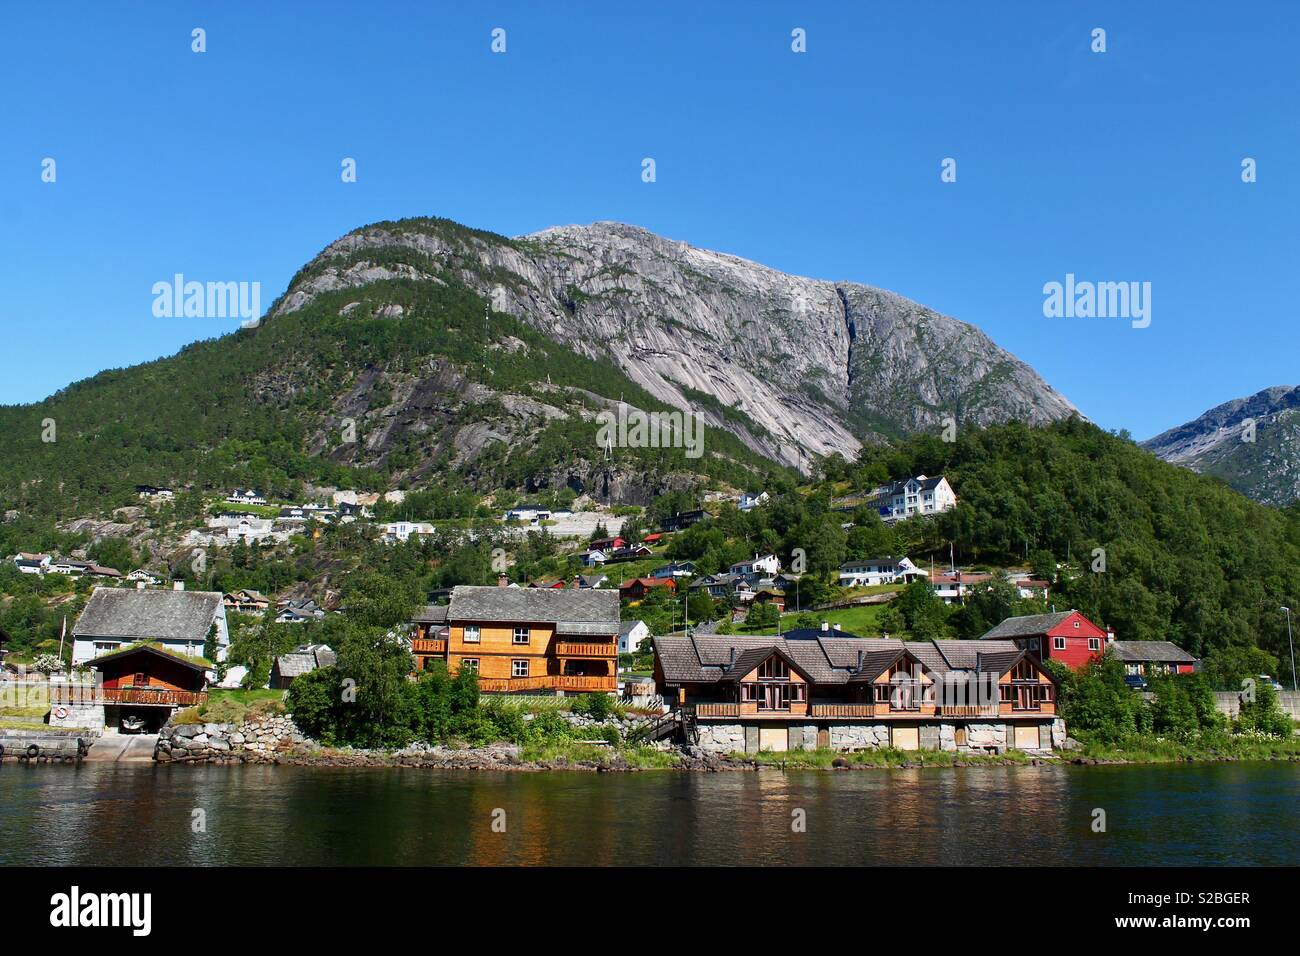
pixel 761 656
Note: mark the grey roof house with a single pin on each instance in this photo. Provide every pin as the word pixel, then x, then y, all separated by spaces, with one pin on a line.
pixel 302 660
pixel 178 620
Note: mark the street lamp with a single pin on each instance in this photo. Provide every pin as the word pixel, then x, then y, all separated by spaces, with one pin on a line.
pixel 1290 642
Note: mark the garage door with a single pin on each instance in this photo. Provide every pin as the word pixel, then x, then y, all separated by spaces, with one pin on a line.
pixel 907 738
pixel 773 738
pixel 1026 737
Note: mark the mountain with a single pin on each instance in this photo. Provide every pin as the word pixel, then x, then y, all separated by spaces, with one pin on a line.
pixel 1262 461
pixel 794 367
pixel 382 366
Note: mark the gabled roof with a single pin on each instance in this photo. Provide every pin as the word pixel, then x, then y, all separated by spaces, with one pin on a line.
pixel 305 659
pixel 825 657
pixel 141 615
pixel 1166 652
pixel 536 605
pixel 153 651
pixel 431 614
pixel 1028 625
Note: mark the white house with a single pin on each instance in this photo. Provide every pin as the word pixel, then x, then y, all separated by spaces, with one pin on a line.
pixel 873 571
pixel 143 576
pixel 150 492
pixel 402 530
pixel 249 528
pixel 594 558
pixel 178 620
pixel 527 514
pixel 913 496
pixel 749 501
pixel 765 564
pixel 246 496
pixel 630 636
pixel 32 563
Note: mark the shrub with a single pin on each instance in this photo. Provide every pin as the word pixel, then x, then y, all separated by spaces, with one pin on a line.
pixel 1264 714
pixel 595 706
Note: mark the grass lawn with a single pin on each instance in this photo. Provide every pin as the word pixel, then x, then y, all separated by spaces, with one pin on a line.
pixel 863 620
pixel 245 697
pixel 24 701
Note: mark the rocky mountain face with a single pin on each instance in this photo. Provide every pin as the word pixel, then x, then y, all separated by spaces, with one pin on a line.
pixel 1251 443
pixel 794 367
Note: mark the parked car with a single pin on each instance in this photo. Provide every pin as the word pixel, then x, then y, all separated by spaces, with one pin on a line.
pixel 1135 681
pixel 1271 682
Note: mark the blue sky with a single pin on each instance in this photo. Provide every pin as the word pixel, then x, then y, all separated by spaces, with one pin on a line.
pixel 1115 166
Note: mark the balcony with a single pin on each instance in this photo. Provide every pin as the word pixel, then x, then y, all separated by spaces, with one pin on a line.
pixel 967 710
pixel 547 682
pixel 428 646
pixel 575 649
pixel 843 710
pixel 90 694
pixel 717 710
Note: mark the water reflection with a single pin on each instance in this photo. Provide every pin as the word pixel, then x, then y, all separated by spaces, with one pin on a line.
pixel 133 814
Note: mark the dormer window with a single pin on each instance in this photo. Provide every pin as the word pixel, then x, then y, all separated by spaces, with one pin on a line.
pixel 774 669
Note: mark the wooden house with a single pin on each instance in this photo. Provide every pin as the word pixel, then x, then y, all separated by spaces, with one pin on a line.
pixel 1065 636
pixel 531 640
pixel 142 682
pixel 827 688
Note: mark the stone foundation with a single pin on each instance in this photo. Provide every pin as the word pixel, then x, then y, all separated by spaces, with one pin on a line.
pixel 981 737
pixel 721 738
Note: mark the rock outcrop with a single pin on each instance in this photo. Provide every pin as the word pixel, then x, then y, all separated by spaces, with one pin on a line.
pixel 1251 443
pixel 813 367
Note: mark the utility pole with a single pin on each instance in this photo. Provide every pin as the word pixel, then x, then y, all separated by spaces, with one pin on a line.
pixel 1292 645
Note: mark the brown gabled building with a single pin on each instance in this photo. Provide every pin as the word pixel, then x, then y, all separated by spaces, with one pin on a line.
pixel 524 639
pixel 825 688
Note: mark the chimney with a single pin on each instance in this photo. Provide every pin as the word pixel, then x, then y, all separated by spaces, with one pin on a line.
pixel 837 627
pixel 859 659
pixel 1110 635
pixel 731 659
pixel 825 626
pixel 502 580
pixel 178 585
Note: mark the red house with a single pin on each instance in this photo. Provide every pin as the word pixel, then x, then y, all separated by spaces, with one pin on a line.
pixel 637 588
pixel 607 544
pixel 1066 636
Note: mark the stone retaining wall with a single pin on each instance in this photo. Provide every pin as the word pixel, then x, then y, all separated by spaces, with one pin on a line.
pixel 260 740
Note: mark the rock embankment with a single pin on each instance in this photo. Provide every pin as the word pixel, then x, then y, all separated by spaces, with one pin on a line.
pixel 261 740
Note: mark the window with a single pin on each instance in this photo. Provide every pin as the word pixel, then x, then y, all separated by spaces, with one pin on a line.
pixel 1032 645
pixel 519 668
pixel 773 669
pixel 140 680
pixel 1094 643
pixel 521 635
pixel 471 634
pixel 1058 643
pixel 469 663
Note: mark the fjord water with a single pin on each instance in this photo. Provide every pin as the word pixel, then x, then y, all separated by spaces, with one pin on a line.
pixel 95 814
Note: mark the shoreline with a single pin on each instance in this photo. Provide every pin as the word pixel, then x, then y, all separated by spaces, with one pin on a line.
pixel 507 759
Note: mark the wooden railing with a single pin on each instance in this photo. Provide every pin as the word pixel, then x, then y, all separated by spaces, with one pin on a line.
pixel 547 682
pixel 428 646
pixel 843 710
pixel 90 694
pixel 574 649
pixel 717 710
pixel 968 710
